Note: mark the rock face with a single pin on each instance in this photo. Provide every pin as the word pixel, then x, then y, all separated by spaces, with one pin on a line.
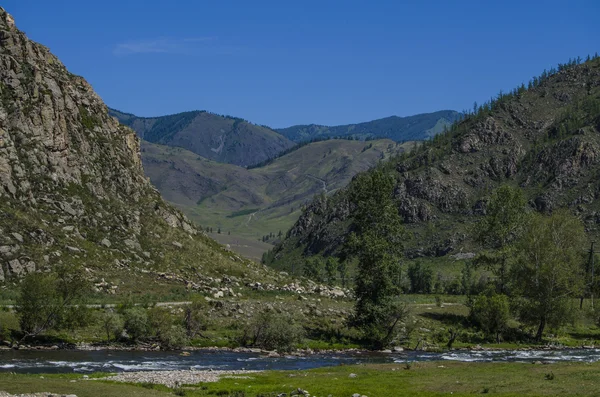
pixel 72 187
pixel 545 139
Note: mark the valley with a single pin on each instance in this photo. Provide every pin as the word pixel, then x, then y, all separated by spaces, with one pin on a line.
pixel 259 201
pixel 198 254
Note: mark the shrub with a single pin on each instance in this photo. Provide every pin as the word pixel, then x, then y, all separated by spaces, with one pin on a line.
pixel 490 312
pixel 136 323
pixel 174 337
pixel 195 319
pixel 112 324
pixel 272 331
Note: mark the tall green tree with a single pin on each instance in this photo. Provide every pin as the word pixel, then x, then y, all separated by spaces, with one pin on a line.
pixel 377 243
pixel 331 266
pixel 48 300
pixel 506 219
pixel 548 270
pixel 313 268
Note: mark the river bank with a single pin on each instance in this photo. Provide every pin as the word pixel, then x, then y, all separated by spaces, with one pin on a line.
pixel 434 378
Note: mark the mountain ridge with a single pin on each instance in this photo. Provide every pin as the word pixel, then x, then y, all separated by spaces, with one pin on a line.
pixel 221 138
pixel 544 139
pixel 417 127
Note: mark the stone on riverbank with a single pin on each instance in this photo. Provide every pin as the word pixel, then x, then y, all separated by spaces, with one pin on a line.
pixel 176 378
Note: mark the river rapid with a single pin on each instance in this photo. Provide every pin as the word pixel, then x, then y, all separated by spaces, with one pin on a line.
pixel 66 361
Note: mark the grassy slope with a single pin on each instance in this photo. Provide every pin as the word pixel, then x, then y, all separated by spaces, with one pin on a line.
pixel 422 379
pixel 417 127
pixel 255 202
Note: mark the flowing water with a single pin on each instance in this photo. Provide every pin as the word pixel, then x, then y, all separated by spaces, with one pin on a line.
pixel 62 361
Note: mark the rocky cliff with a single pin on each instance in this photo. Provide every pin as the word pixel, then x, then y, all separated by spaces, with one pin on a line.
pixel 545 139
pixel 72 187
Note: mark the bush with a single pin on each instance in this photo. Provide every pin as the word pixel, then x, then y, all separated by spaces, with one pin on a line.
pixel 48 300
pixel 490 312
pixel 173 338
pixel 112 324
pixel 136 323
pixel 195 318
pixel 271 331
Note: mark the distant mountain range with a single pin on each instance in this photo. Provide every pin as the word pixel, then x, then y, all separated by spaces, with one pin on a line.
pixel 232 140
pixel 221 138
pixel 400 129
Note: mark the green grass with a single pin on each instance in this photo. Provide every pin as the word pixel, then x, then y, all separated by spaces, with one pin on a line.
pixel 423 379
pixel 247 211
pixel 384 380
pixel 227 195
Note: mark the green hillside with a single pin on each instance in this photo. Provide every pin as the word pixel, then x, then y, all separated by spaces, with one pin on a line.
pixel 224 139
pixel 400 129
pixel 544 139
pixel 255 202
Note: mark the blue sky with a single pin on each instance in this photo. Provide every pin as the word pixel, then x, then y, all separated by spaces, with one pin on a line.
pixel 327 62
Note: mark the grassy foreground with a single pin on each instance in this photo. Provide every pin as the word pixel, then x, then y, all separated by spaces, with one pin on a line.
pixel 422 379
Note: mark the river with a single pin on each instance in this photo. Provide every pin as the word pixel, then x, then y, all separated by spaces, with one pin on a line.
pixel 65 361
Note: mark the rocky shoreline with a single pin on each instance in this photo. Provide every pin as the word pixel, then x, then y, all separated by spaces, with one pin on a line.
pixel 175 379
pixel 299 352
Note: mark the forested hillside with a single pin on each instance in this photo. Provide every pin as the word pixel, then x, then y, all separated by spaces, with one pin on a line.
pixel 543 138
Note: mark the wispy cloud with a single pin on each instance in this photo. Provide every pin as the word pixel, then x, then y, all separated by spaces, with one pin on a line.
pixel 163 45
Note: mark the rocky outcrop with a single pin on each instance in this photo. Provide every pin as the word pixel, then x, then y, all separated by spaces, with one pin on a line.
pixel 72 186
pixel 545 140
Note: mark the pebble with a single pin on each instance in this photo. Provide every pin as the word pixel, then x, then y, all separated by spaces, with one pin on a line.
pixel 176 378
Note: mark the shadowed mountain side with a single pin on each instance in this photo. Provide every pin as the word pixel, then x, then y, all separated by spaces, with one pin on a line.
pixel 221 138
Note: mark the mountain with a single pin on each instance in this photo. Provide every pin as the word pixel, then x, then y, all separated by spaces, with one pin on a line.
pixel 544 139
pixel 261 200
pixel 73 190
pixel 400 129
pixel 221 138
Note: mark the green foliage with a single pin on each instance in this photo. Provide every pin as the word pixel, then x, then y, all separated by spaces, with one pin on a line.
pixel 377 243
pixel 136 323
pixel 271 331
pixel 46 300
pixel 88 120
pixel 548 269
pixel 174 337
pixel 314 268
pixel 195 317
pixel 420 278
pixel 504 223
pixel 490 312
pixel 242 212
pixel 112 324
pixel 331 267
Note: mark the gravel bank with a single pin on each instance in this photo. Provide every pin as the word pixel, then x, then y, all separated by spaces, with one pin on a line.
pixel 175 378
pixel 5 394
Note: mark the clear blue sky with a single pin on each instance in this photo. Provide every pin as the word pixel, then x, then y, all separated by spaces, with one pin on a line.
pixel 328 62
